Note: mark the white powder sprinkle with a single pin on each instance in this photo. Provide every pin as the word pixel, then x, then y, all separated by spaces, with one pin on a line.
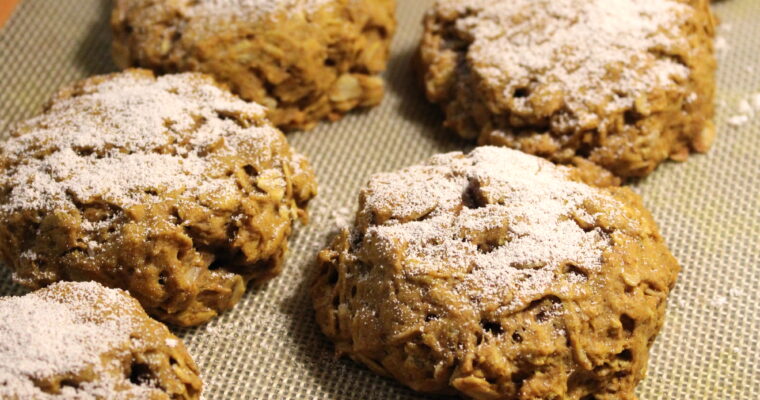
pixel 747 109
pixel 719 301
pixel 49 333
pixel 681 303
pixel 341 217
pixel 571 47
pixel 738 120
pixel 721 45
pixel 529 200
pixel 256 8
pixel 127 141
pixel 28 255
pixel 555 310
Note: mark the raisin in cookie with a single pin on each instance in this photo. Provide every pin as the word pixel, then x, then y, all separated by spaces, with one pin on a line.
pixel 306 60
pixel 497 275
pixel 80 340
pixel 170 188
pixel 625 84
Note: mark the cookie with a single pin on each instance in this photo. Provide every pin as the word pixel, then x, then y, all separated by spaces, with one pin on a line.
pixel 170 188
pixel 497 275
pixel 80 340
pixel 306 60
pixel 625 84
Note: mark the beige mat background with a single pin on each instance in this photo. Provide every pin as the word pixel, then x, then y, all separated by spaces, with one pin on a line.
pixel 269 347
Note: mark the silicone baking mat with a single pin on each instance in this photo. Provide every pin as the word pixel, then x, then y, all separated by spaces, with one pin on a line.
pixel 269 346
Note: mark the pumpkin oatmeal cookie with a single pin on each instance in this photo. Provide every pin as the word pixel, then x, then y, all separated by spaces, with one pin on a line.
pixel 80 340
pixel 306 60
pixel 626 84
pixel 497 275
pixel 170 188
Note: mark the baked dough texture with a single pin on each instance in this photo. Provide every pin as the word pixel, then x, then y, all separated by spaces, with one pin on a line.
pixel 306 60
pixel 170 188
pixel 626 84
pixel 81 340
pixel 497 275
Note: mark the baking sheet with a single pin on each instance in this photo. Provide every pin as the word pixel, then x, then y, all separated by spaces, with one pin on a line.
pixel 269 346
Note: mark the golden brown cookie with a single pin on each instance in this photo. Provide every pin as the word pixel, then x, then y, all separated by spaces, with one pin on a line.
pixel 626 84
pixel 497 275
pixel 306 60
pixel 170 188
pixel 80 340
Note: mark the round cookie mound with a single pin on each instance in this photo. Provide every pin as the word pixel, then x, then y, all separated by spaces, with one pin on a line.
pixel 306 60
pixel 624 83
pixel 170 188
pixel 497 275
pixel 80 340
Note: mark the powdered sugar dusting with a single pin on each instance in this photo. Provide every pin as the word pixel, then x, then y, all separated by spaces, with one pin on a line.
pixel 599 54
pixel 55 332
pixel 747 109
pixel 529 204
pixel 257 8
pixel 126 140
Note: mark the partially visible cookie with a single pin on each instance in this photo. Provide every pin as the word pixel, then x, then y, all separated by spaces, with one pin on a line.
pixel 497 275
pixel 306 60
pixel 171 188
pixel 84 341
pixel 626 84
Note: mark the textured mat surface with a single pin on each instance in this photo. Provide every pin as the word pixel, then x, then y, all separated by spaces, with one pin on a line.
pixel 269 347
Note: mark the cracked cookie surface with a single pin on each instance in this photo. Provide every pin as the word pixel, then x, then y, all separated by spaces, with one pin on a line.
pixel 626 84
pixel 81 340
pixel 497 275
pixel 306 60
pixel 170 188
